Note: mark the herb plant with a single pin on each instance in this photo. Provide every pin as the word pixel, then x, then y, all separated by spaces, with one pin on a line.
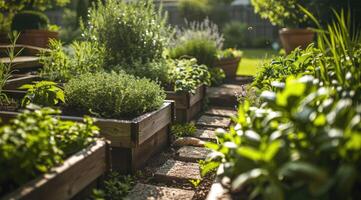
pixel 44 93
pixel 217 76
pixel 229 54
pixel 113 95
pixel 183 130
pixel 35 142
pixel 186 75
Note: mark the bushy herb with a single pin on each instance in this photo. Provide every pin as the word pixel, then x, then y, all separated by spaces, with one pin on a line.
pixel 44 93
pixel 115 187
pixel 229 54
pixel 186 75
pixel 217 76
pixel 35 141
pixel 130 31
pixel 61 65
pixel 113 95
pixel 202 49
pixel 183 130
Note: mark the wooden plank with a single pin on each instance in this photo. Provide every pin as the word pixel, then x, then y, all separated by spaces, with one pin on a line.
pixel 67 180
pixel 15 83
pixel 154 122
pixel 21 62
pixel 198 95
pixel 184 100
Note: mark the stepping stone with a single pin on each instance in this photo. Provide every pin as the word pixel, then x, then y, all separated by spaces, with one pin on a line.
pixel 192 154
pixel 207 135
pixel 178 171
pixel 214 121
pixel 151 192
pixel 225 95
pixel 223 112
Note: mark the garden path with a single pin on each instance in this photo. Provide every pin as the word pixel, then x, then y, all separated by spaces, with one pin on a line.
pixel 175 174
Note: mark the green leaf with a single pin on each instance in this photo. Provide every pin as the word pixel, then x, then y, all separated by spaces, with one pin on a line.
pixel 250 153
pixel 272 150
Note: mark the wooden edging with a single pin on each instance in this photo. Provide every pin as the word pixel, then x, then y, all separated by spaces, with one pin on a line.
pixel 15 83
pixel 67 180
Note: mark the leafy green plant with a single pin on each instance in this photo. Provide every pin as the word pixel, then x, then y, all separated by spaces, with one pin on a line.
pixel 130 31
pixel 229 54
pixel 114 187
pixel 202 49
pixel 194 10
pixel 14 6
pixel 113 95
pixel 61 65
pixel 195 182
pixel 186 75
pixel 184 130
pixel 235 35
pixel 35 142
pixel 217 76
pixel 44 93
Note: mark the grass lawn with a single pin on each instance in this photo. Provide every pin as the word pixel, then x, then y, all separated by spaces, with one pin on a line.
pixel 252 60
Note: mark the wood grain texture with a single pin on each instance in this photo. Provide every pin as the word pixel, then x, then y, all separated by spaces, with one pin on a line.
pixel 15 83
pixel 70 178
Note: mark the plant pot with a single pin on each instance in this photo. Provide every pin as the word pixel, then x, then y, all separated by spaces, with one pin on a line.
pixel 229 66
pixel 293 38
pixel 133 141
pixel 37 38
pixel 187 105
pixel 71 178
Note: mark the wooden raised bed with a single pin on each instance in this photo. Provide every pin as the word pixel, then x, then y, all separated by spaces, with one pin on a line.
pixel 67 180
pixel 229 66
pixel 18 80
pixel 187 105
pixel 133 141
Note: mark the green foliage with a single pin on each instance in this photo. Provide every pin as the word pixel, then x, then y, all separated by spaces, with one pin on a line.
pixel 29 19
pixel 60 65
pixel 281 12
pixel 184 130
pixel 70 29
pixel 17 5
pixel 186 75
pixel 115 187
pixel 235 35
pixel 202 49
pixel 44 93
pixel 194 10
pixel 297 62
pixel 130 31
pixel 35 142
pixel 217 76
pixel 113 95
pixel 229 54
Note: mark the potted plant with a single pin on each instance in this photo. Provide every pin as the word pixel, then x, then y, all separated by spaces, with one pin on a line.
pixel 50 156
pixel 228 60
pixel 294 30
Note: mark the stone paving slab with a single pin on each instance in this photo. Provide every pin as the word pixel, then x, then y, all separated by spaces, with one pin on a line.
pixel 225 95
pixel 192 154
pixel 151 192
pixel 207 135
pixel 223 112
pixel 213 121
pixel 178 171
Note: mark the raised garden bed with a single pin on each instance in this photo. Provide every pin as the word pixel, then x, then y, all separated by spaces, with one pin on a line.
pixel 229 66
pixel 67 180
pixel 133 141
pixel 18 80
pixel 187 105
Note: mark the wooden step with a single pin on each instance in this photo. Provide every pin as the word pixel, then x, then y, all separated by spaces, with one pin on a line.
pixel 192 154
pixel 224 95
pixel 178 171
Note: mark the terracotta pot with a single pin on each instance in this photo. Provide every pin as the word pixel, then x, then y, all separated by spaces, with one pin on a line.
pixel 293 38
pixel 229 66
pixel 38 38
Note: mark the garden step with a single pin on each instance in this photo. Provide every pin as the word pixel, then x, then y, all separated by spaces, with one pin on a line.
pixel 241 80
pixel 221 111
pixel 192 154
pixel 206 135
pixel 224 95
pixel 152 192
pixel 213 122
pixel 178 171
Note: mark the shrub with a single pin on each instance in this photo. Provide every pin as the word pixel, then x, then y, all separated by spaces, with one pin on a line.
pixel 114 187
pixel 35 141
pixel 130 31
pixel 28 19
pixel 61 65
pixel 235 35
pixel 44 93
pixel 113 95
pixel 184 130
pixel 186 75
pixel 217 76
pixel 229 54
pixel 194 10
pixel 202 49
